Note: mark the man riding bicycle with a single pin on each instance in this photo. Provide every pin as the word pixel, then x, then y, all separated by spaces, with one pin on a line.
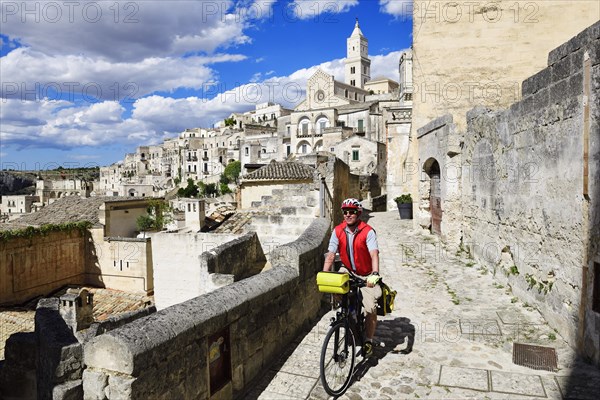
pixel 356 241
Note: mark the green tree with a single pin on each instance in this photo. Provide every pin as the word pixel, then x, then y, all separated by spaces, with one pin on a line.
pixel 230 121
pixel 191 190
pixel 144 223
pixel 211 189
pixel 224 188
pixel 232 170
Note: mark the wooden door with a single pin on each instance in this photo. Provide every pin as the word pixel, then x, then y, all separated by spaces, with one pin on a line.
pixel 435 200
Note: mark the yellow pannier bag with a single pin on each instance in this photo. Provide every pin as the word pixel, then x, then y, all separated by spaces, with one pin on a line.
pixel 333 282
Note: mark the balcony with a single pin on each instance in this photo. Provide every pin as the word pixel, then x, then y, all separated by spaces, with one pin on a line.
pixel 309 133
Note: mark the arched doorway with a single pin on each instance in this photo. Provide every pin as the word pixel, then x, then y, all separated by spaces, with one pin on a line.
pixel 432 169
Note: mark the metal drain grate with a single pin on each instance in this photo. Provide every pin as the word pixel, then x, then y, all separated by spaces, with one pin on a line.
pixel 536 357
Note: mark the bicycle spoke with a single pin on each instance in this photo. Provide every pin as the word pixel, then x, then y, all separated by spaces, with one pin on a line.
pixel 337 359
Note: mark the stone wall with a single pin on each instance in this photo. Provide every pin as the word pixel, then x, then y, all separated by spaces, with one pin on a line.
pixel 178 271
pixel 121 263
pixel 36 266
pixel 179 351
pixel 439 142
pixel 527 211
pixel 59 364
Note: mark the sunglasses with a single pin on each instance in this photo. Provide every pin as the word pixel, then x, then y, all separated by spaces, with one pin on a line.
pixel 350 212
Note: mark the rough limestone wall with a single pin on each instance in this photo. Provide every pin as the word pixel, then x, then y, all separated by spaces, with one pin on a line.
pixel 225 259
pixel 59 363
pixel 166 355
pixel 36 266
pixel 525 213
pixel 439 141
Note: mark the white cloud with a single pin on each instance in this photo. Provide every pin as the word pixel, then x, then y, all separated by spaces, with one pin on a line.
pixel 25 70
pixel 399 8
pixel 125 31
pixel 305 9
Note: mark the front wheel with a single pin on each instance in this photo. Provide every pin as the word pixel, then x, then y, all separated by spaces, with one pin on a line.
pixel 337 359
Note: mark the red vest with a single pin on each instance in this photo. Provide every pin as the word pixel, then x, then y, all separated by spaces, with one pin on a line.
pixel 362 257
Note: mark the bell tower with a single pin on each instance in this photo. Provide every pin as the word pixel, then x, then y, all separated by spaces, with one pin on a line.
pixel 358 64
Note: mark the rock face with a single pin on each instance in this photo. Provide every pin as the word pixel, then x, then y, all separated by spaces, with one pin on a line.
pixel 16 184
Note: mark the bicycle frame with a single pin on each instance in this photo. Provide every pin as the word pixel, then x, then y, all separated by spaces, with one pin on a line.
pixel 338 355
pixel 352 301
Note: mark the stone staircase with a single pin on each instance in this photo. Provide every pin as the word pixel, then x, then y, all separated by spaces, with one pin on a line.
pixel 283 216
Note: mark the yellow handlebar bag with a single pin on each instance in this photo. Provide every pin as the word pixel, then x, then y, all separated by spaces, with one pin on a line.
pixel 333 282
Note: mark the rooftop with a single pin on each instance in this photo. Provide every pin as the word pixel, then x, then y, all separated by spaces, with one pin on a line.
pixel 64 210
pixel 277 171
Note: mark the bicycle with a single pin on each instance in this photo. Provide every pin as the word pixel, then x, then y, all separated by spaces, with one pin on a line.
pixel 347 328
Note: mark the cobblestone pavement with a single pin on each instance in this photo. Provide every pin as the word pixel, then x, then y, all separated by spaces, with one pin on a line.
pixel 450 337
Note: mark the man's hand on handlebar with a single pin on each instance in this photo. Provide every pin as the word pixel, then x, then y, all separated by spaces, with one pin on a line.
pixel 373 279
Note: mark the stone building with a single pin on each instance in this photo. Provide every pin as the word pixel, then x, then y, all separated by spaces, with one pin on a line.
pixel 49 190
pixel 14 206
pixel 108 254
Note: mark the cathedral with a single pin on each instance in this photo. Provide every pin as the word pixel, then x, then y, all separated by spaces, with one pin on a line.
pixel 356 119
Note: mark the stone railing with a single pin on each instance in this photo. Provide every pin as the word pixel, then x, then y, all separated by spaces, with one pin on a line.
pixel 214 345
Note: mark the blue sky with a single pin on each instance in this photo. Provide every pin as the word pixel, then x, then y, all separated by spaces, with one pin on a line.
pixel 85 82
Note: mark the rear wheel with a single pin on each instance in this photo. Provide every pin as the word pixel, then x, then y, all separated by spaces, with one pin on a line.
pixel 337 359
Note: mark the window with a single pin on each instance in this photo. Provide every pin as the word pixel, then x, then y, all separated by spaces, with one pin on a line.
pixel 355 155
pixel 305 128
pixel 304 149
pixel 288 129
pixel 194 207
pixel 361 127
pixel 353 82
pixel 189 207
pixel 246 151
pixel 352 70
pixel 288 149
pixel 332 149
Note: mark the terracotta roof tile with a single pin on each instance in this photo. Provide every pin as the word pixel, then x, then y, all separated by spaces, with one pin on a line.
pixel 277 171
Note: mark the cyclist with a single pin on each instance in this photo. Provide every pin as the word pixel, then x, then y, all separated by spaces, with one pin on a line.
pixel 356 242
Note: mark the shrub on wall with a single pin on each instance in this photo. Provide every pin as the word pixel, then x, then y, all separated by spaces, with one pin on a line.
pixel 43 230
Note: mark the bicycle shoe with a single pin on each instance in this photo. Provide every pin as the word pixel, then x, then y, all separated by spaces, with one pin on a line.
pixel 367 349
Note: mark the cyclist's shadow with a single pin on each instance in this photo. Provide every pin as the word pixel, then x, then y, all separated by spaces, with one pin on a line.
pixel 395 333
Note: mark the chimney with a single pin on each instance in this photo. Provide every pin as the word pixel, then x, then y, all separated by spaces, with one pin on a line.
pixel 76 308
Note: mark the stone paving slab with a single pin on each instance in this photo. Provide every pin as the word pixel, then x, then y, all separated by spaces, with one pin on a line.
pixel 465 378
pixel 526 385
pixel 303 362
pixel 288 386
pixel 585 387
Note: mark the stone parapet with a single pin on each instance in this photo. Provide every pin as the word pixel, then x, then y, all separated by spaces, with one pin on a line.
pixel 59 353
pixel 174 353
